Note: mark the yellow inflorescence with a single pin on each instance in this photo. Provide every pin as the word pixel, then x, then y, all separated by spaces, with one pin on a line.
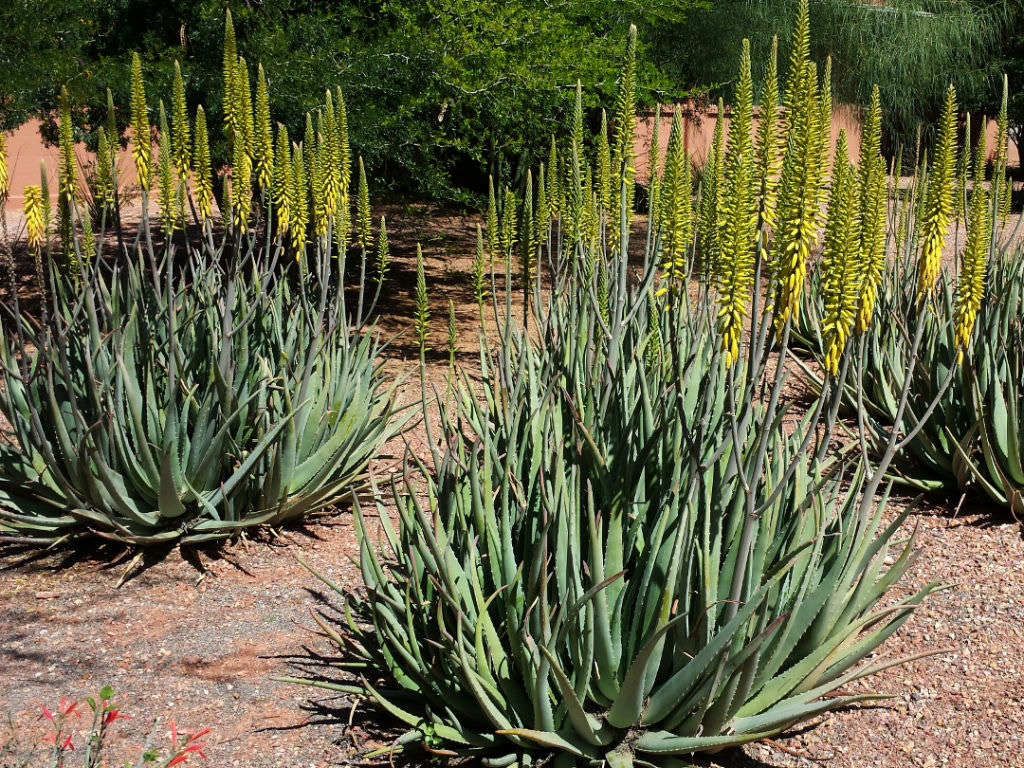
pixel 141 149
pixel 241 185
pixel 181 140
pixel 800 197
pixel 4 177
pixel 281 187
pixel 769 156
pixel 554 187
pixel 970 287
pixel 35 218
pixel 708 212
pixel 1003 186
pixel 66 169
pixel 676 205
pixel 104 171
pixel 263 134
pixel 230 76
pixel 873 207
pixel 300 202
pixel 203 178
pixel 167 178
pixel 840 264
pixel 938 207
pixel 607 194
pixel 738 217
pixel 623 161
pixel 363 230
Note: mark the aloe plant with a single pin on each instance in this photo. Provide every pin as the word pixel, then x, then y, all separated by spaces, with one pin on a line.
pixel 960 394
pixel 156 408
pixel 194 385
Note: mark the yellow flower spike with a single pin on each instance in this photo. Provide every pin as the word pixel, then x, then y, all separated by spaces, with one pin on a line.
pixel 230 78
pixel 104 171
pixel 300 202
pixel 181 139
pixel 527 245
pixel 241 185
pixel 327 128
pixel 769 154
pixel 66 141
pixel 384 250
pixel 5 180
pixel 202 173
pixel 363 226
pixel 66 179
pixel 141 149
pixel 243 108
pixel 281 186
pixel 543 219
pixel 737 217
pixel 970 288
pixel 554 187
pixel 342 225
pixel 654 174
pixel 604 172
pixel 872 213
pixel 263 133
pixel 421 318
pixel 44 185
pixel 799 56
pixel 939 201
pixel 509 237
pixel 575 201
pixel 167 178
pixel 713 169
pixel 492 220
pixel 1003 188
pixel 676 207
pixel 799 201
pixel 841 272
pixel 320 183
pixel 35 217
pixel 344 148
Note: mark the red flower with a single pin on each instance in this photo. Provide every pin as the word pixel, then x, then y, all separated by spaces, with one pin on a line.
pixel 68 707
pixel 112 715
pixel 46 713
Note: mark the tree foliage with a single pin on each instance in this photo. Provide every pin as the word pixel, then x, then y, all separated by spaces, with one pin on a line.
pixel 912 49
pixel 438 90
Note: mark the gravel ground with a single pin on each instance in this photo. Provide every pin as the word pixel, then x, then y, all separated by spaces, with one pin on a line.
pixel 202 648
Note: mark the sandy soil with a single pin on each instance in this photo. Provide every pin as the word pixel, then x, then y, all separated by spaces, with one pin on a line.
pixel 202 649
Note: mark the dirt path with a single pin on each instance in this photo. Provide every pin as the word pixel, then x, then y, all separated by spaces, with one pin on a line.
pixel 203 651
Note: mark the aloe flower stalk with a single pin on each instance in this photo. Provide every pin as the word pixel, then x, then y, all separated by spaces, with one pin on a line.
pixel 263 134
pixel 141 149
pixel 181 138
pixel 201 171
pixel 938 207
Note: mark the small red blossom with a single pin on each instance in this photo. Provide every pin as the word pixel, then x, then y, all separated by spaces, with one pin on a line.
pixel 68 707
pixel 46 713
pixel 112 715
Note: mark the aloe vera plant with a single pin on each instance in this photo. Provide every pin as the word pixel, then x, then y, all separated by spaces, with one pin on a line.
pixel 621 551
pixel 148 410
pixel 192 385
pixel 962 395
pixel 620 560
